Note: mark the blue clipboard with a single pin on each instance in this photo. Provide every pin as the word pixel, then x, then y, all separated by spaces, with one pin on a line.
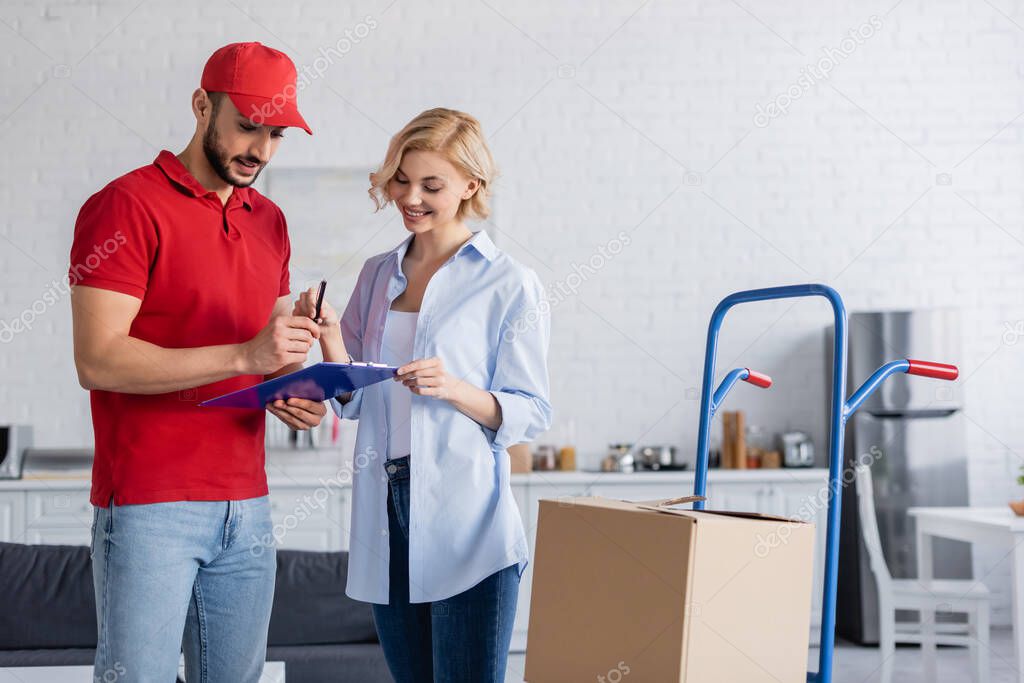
pixel 317 382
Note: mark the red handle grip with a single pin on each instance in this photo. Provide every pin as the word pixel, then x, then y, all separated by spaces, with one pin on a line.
pixel 758 379
pixel 927 368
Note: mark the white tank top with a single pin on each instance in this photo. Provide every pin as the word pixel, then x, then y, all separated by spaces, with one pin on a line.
pixel 399 335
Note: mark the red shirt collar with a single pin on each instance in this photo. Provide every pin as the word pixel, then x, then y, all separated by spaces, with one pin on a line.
pixel 179 175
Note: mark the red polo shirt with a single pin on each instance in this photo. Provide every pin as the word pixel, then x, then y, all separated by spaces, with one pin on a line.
pixel 206 274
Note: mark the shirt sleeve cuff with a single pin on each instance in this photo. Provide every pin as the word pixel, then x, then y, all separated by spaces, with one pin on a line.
pixel 515 418
pixel 350 410
pixel 130 288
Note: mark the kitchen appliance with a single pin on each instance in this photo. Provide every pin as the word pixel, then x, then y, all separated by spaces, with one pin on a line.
pixel 14 440
pixel 797 449
pixel 658 458
pixel 619 459
pixel 912 434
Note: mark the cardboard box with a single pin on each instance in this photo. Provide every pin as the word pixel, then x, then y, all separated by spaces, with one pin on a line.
pixel 639 592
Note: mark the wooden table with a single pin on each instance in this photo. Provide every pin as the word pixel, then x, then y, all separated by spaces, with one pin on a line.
pixel 997 526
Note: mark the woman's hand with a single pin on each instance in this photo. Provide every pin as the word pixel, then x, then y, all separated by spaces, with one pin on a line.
pixel 427 377
pixel 298 413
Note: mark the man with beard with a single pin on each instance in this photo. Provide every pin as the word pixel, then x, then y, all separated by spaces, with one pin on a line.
pixel 181 293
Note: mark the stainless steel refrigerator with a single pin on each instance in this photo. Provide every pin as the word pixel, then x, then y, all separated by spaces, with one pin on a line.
pixel 912 432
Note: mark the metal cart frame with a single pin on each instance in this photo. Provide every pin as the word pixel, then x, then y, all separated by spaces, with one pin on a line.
pixel 841 410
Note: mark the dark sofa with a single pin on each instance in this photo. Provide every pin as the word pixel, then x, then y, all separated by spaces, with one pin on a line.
pixel 48 614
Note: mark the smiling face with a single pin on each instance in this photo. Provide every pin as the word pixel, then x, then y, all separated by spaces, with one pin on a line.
pixel 428 190
pixel 236 148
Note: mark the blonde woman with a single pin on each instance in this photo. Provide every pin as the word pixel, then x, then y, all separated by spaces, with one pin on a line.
pixel 437 544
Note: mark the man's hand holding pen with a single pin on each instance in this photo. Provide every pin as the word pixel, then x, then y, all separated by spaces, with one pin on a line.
pixel 328 324
pixel 300 413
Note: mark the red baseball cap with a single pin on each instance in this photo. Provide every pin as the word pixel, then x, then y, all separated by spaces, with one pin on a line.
pixel 260 82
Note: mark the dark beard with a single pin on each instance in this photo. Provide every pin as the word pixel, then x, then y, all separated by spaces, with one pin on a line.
pixel 219 160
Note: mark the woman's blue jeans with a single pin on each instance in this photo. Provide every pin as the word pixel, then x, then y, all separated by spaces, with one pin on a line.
pixel 463 639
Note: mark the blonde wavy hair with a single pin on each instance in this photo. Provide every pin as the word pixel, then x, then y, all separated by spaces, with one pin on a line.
pixel 455 135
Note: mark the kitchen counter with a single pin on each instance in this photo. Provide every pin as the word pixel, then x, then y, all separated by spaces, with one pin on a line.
pixel 648 477
pixel 280 475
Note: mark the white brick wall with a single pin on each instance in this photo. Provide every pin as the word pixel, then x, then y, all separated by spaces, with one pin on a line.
pixel 620 116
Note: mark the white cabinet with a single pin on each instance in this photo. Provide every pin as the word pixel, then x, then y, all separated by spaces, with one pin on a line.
pixel 552 487
pixel 49 515
pixel 310 518
pixel 642 491
pixel 809 502
pixel 782 498
pixel 12 516
pixel 306 517
pixel 740 497
pixel 58 516
pixel 59 508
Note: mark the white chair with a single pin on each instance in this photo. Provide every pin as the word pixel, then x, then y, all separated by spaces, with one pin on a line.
pixel 926 598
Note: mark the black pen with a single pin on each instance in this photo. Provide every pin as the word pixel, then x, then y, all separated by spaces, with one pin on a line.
pixel 320 300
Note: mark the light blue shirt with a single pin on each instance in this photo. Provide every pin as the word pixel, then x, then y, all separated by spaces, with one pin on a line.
pixel 485 316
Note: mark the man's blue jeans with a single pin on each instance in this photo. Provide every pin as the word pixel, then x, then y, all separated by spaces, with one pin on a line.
pixel 463 639
pixel 183 575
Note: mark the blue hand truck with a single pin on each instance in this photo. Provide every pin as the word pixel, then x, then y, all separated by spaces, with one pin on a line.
pixel 841 411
